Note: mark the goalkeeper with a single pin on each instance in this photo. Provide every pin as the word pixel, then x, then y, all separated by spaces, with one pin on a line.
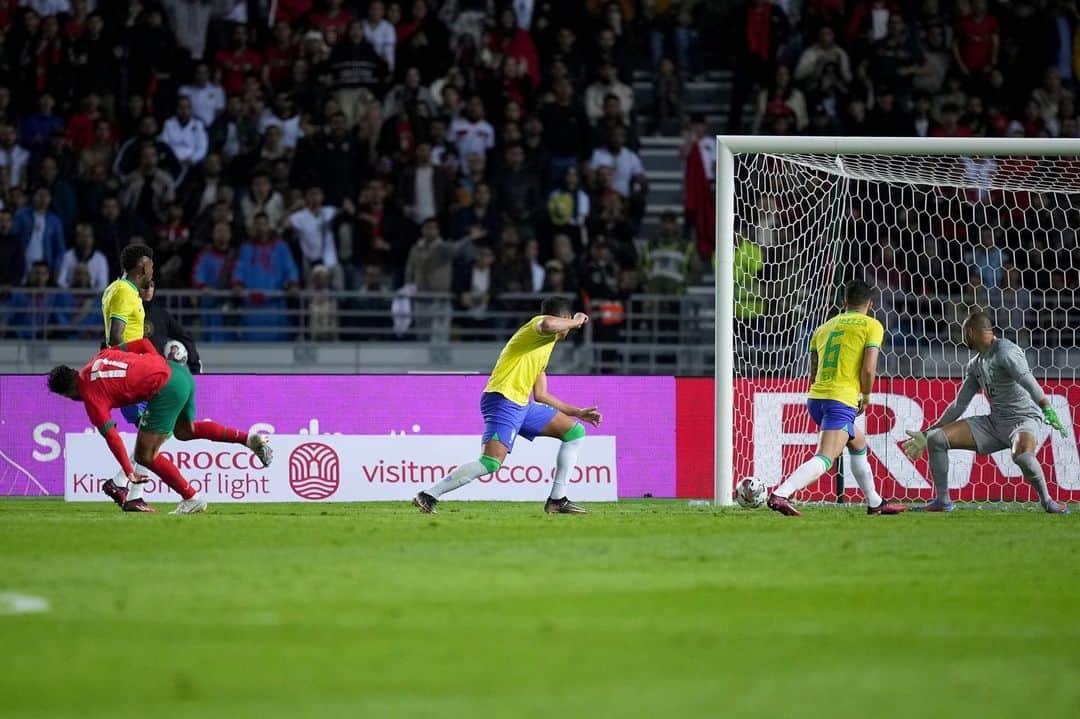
pixel 1017 405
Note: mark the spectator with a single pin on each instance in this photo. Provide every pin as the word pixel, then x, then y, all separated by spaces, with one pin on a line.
pixel 628 171
pixel 173 249
pixel 234 133
pixel 263 199
pixel 35 129
pixel 668 260
pixel 212 273
pixel 976 44
pixel 519 191
pixel 357 73
pixel 380 33
pixel 472 134
pixel 12 254
pixel 370 317
pixel 148 189
pixel 130 155
pixel 429 269
pixel 950 125
pixel 1051 96
pixel 40 231
pixel 65 203
pixel 85 308
pixel 204 187
pixel 781 107
pixel 479 222
pixel 814 59
pixel 569 208
pixel 80 126
pixel 185 135
pixel 424 189
pixel 423 42
pixel 668 98
pixel 207 97
pixel 607 83
pixel 239 62
pixel 283 116
pixel 265 265
pixel 609 224
pixel 32 309
pixel 475 286
pixel 507 40
pixel 13 157
pixel 280 57
pixel 116 229
pixel 410 91
pixel 986 260
pixel 896 58
pixel 699 170
pixel 936 61
pixel 887 119
pixel 94 63
pixel 315 229
pixel 566 129
pixel 322 307
pixel 760 29
pixel 335 21
pixel 85 255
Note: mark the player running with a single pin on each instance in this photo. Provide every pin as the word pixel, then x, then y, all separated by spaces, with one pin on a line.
pixel 131 373
pixel 1017 405
pixel 848 346
pixel 509 412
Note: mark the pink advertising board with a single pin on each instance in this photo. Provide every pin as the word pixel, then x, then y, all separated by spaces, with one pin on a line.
pixel 639 411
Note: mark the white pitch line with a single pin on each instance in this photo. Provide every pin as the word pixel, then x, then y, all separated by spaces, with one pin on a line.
pixel 14 603
pixel 31 477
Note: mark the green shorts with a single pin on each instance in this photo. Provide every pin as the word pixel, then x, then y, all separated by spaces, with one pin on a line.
pixel 175 399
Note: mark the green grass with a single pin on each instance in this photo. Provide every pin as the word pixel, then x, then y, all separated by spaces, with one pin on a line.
pixel 641 609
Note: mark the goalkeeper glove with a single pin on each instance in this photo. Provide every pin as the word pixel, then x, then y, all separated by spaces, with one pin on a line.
pixel 1052 419
pixel 915 446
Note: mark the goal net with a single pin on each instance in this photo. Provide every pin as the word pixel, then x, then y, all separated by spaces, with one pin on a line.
pixel 937 233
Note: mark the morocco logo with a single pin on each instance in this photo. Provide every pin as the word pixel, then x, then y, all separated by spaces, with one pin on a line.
pixel 314 471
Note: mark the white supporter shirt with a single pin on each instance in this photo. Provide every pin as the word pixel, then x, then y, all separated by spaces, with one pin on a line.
pixel 35 249
pixel 472 138
pixel 97 265
pixel 316 235
pixel 626 166
pixel 44 8
pixel 15 160
pixel 188 142
pixel 290 128
pixel 206 102
pixel 383 37
pixel 707 147
pixel 424 194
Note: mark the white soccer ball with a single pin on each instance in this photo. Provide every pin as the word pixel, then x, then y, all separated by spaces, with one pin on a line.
pixel 750 493
pixel 176 351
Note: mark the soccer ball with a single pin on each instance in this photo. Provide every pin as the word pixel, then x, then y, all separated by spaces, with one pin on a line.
pixel 176 351
pixel 750 493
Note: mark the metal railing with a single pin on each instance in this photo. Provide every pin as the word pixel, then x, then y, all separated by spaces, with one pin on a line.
pixel 641 334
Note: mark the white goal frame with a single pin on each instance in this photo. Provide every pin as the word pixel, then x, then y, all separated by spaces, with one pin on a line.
pixel 727 146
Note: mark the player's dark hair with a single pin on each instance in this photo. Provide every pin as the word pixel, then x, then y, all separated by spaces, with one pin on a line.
pixel 132 255
pixel 857 293
pixel 555 306
pixel 62 379
pixel 979 319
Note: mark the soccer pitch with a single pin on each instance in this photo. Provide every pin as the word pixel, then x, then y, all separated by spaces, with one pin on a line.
pixel 641 609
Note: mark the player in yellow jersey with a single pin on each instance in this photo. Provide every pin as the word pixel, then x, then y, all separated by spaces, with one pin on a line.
pixel 843 364
pixel 121 303
pixel 509 412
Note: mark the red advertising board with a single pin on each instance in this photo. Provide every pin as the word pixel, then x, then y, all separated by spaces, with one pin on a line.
pixel 773 435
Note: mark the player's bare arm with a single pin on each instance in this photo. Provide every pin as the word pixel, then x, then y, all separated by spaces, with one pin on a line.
pixel 867 375
pixel 116 331
pixel 541 394
pixel 549 325
pixel 813 366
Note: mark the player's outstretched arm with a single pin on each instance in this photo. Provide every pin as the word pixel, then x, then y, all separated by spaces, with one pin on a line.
pixel 915 446
pixel 540 394
pixel 1020 371
pixel 549 325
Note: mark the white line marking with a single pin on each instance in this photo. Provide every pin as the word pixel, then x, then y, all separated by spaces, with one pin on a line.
pixel 30 476
pixel 13 603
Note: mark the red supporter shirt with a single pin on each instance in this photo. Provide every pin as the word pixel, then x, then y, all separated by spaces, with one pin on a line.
pixel 236 65
pixel 340 22
pixel 115 378
pixel 977 41
pixel 280 62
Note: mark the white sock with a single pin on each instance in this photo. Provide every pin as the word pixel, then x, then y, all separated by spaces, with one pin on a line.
pixel 458 478
pixel 804 476
pixel 564 464
pixel 135 490
pixel 860 469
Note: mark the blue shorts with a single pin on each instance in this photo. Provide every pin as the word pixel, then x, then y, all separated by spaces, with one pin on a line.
pixel 506 421
pixel 831 414
pixel 133 411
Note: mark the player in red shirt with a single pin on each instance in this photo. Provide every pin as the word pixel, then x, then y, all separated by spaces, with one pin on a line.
pixel 132 373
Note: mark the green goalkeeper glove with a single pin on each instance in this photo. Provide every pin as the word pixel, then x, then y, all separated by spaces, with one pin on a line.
pixel 1052 419
pixel 915 446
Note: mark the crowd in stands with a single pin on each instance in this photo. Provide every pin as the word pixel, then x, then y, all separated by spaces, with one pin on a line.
pixel 476 148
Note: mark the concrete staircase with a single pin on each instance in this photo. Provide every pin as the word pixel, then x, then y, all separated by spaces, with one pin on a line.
pixel 710 96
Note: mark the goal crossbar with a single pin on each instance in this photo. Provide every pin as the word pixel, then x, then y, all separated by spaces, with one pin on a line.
pixel 728 146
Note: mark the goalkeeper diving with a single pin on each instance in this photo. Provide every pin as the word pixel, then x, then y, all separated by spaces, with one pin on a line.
pixel 843 365
pixel 1017 406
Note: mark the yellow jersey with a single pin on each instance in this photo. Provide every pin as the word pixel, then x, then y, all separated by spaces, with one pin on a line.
pixel 121 300
pixel 839 344
pixel 521 361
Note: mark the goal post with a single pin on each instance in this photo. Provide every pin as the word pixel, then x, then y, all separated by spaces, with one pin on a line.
pixel 798 216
